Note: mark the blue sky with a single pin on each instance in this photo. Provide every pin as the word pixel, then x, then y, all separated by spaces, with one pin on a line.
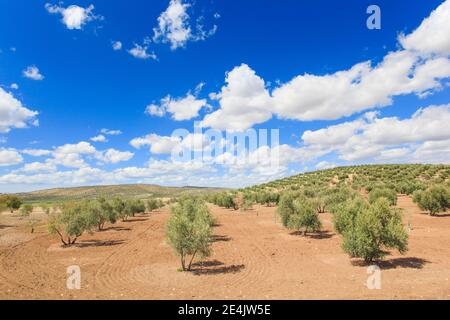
pixel 91 91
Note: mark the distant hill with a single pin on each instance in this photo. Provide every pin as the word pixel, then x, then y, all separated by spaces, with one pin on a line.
pixel 136 191
pixel 405 178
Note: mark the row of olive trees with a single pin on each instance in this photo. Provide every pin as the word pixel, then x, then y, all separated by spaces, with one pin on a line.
pixel 72 219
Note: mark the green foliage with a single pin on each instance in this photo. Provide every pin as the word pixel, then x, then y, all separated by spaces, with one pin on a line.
pixel 298 213
pixel 369 229
pixel 389 194
pixel 98 212
pixel 154 204
pixel 189 231
pixel 11 202
pixel 69 222
pixel 434 200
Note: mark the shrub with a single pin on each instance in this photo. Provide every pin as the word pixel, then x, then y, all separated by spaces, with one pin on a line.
pixel 369 230
pixel 434 200
pixel 189 231
pixel 389 194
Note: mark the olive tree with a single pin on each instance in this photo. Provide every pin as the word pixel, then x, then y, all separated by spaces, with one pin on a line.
pixel 189 231
pixel 98 212
pixel 298 214
pixel 434 200
pixel 11 202
pixel 389 194
pixel 68 223
pixel 368 230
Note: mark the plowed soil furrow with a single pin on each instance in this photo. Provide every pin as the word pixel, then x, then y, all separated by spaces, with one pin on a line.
pixel 253 257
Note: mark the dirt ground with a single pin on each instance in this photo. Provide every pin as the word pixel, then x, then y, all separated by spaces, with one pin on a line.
pixel 254 257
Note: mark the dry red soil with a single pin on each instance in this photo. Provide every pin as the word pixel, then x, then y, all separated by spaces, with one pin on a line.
pixel 254 257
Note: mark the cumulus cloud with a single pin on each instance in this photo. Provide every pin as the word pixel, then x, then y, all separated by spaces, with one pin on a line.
pixel 432 35
pixel 73 16
pixel 387 138
pixel 158 144
pixel 14 86
pixel 244 101
pixel 33 73
pixel 114 156
pixel 9 157
pixel 13 114
pixel 183 108
pixel 99 138
pixel 34 167
pixel 420 67
pixel 36 152
pixel 174 26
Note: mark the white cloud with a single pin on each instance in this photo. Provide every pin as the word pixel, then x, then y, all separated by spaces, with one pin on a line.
pixel 9 157
pixel 184 108
pixel 99 138
pixel 74 17
pixel 111 132
pixel 174 26
pixel 322 165
pixel 38 167
pixel 158 144
pixel 32 72
pixel 13 114
pixel 36 152
pixel 114 156
pixel 419 68
pixel 432 36
pixel 384 138
pixel 117 45
pixel 14 86
pixel 140 52
pixel 244 101
pixel 155 110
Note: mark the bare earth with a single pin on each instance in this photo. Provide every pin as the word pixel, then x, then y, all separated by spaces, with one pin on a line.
pixel 254 257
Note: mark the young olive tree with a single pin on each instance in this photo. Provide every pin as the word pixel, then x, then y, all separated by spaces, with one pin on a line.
pixel 69 223
pixel 11 202
pixel 98 212
pixel 389 194
pixel 434 200
pixel 368 230
pixel 298 214
pixel 189 231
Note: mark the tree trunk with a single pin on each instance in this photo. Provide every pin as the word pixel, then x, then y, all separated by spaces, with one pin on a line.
pixel 61 237
pixel 192 259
